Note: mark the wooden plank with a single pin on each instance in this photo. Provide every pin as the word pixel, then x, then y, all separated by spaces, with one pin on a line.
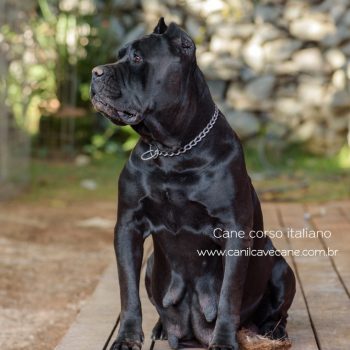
pixel 333 220
pixel 96 325
pixel 299 327
pixel 345 209
pixel 97 318
pixel 325 296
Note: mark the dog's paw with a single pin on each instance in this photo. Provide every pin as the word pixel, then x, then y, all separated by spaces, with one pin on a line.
pixel 223 342
pixel 128 342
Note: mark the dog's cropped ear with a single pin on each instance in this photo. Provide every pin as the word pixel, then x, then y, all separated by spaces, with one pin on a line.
pixel 180 40
pixel 161 27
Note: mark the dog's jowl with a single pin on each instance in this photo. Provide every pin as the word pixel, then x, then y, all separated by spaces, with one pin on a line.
pixel 184 183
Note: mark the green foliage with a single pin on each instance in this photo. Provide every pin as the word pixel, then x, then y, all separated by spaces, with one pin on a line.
pixel 132 138
pixel 30 77
pixel 51 55
pixel 106 142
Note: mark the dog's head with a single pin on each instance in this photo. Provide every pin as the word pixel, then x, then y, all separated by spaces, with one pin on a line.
pixel 149 76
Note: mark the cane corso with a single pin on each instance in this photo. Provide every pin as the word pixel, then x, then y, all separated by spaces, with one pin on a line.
pixel 185 184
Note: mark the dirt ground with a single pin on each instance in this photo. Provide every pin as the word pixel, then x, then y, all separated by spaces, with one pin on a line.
pixel 51 257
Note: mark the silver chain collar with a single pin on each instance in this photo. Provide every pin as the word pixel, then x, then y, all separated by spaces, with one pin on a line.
pixel 154 152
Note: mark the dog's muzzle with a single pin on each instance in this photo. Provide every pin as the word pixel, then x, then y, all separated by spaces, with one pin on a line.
pixel 108 106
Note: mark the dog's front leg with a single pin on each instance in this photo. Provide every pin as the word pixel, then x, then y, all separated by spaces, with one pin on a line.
pixel 128 244
pixel 228 319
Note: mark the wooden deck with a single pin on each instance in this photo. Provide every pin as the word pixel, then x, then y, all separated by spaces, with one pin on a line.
pixel 319 317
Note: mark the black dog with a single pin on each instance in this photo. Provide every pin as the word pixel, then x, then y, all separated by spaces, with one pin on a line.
pixel 186 177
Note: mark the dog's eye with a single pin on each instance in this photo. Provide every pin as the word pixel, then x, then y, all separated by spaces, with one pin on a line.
pixel 136 58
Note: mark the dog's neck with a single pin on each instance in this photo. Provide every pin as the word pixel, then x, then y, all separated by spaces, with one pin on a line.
pixel 177 126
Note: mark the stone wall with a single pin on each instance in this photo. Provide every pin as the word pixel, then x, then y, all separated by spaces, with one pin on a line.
pixel 278 67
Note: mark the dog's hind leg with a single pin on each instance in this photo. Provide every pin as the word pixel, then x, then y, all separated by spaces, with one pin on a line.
pixel 278 301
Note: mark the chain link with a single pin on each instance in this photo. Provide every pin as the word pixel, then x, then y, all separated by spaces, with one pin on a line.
pixel 155 152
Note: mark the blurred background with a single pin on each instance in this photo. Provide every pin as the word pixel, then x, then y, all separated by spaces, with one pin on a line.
pixel 279 70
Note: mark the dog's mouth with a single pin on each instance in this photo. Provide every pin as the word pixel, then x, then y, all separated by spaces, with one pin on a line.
pixel 116 115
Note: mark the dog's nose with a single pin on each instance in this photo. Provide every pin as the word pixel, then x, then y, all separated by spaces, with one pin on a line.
pixel 98 71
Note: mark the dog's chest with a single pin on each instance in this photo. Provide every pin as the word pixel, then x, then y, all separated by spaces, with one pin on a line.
pixel 172 208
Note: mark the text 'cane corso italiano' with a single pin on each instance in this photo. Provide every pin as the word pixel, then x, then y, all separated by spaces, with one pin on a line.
pixel 185 184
